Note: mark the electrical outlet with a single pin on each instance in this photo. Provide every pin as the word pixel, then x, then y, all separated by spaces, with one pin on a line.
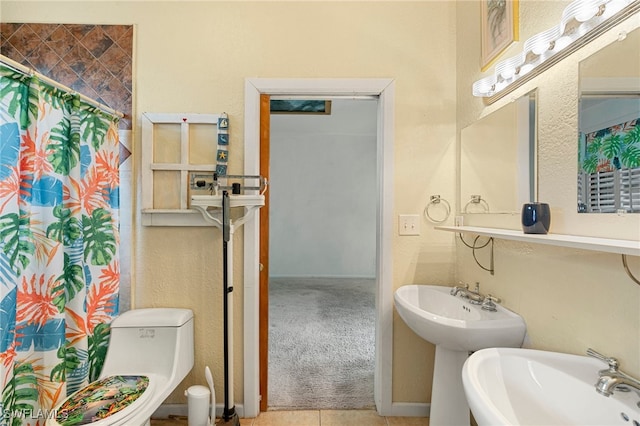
pixel 409 224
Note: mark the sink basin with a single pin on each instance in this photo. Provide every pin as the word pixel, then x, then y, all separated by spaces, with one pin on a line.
pixel 456 327
pixel 507 386
pixel 453 323
pixel 211 207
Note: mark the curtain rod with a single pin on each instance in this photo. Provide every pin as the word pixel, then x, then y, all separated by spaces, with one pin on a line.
pixel 16 66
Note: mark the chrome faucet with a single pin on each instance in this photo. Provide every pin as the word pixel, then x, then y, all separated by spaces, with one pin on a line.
pixel 612 378
pixel 474 296
pixel 457 290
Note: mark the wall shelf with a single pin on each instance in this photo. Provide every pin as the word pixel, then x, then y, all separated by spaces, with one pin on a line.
pixel 174 146
pixel 628 247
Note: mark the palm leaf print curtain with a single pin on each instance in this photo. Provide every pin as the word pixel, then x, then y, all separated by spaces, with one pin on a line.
pixel 59 244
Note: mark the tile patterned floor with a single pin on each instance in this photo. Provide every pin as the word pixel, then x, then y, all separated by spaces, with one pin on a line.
pixel 313 418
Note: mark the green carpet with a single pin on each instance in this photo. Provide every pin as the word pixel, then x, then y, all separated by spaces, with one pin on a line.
pixel 321 343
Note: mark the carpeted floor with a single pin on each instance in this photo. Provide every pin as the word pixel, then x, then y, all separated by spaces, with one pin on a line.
pixel 321 343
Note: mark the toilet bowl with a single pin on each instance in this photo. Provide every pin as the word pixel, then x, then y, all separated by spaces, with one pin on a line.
pixel 150 352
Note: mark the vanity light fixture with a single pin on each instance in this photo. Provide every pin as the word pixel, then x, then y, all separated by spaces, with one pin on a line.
pixel 581 22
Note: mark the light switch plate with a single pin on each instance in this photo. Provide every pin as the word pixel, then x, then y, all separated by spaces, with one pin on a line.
pixel 409 224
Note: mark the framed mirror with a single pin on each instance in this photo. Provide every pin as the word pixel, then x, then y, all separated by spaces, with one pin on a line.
pixel 609 128
pixel 498 159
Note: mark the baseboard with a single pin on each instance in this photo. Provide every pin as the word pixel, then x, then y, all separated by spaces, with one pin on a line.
pixel 410 409
pixel 359 277
pixel 398 409
pixel 167 410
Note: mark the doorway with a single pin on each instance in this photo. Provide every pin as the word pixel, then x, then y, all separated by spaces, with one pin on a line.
pixel 383 89
pixel 322 255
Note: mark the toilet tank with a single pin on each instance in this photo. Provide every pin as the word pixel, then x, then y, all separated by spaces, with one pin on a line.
pixel 153 340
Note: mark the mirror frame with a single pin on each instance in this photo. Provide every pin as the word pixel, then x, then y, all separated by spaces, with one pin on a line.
pixel 528 190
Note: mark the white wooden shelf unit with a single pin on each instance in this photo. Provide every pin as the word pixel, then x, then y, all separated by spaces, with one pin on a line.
pixel 183 163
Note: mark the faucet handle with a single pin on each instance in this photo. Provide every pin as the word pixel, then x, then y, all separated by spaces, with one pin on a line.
pixel 492 298
pixel 613 362
pixel 488 303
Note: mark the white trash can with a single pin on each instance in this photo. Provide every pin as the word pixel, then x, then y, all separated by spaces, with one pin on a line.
pixel 198 405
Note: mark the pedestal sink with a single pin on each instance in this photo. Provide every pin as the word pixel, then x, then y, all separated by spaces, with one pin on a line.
pixel 506 386
pixel 456 327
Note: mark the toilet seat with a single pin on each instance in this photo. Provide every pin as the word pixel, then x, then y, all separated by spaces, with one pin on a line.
pixel 115 398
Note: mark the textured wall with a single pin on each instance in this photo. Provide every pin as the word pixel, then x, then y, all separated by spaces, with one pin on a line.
pixel 570 299
pixel 195 56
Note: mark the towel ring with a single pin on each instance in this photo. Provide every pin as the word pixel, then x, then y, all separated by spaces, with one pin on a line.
pixel 477 199
pixel 434 200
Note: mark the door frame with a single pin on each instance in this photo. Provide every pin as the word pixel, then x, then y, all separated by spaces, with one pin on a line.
pixel 384 89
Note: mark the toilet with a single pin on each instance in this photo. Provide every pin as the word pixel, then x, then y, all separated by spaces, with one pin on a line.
pixel 150 352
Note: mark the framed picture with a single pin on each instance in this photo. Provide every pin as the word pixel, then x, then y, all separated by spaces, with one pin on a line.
pixel 300 107
pixel 499 28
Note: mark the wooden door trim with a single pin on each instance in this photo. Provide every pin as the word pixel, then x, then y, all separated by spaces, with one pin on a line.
pixel 265 131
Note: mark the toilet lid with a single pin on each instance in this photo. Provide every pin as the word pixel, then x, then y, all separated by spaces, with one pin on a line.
pixel 109 397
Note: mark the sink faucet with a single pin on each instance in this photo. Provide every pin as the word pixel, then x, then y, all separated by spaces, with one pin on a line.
pixel 473 296
pixel 612 378
pixel 457 290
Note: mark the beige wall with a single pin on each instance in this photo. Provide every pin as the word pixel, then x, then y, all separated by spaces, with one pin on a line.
pixel 195 56
pixel 570 299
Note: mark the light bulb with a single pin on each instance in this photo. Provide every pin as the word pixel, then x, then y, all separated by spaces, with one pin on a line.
pixel 586 13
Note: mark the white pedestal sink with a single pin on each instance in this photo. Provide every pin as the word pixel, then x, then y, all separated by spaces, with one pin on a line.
pixel 456 327
pixel 217 210
pixel 507 386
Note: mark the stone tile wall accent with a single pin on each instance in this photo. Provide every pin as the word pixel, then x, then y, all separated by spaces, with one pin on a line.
pixel 94 60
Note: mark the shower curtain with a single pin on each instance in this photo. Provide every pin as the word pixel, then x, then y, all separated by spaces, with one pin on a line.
pixel 59 244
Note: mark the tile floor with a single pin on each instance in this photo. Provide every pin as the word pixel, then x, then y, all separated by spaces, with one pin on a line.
pixel 314 418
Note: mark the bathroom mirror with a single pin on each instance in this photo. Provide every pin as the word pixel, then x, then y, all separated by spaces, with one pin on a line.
pixel 498 159
pixel 609 128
